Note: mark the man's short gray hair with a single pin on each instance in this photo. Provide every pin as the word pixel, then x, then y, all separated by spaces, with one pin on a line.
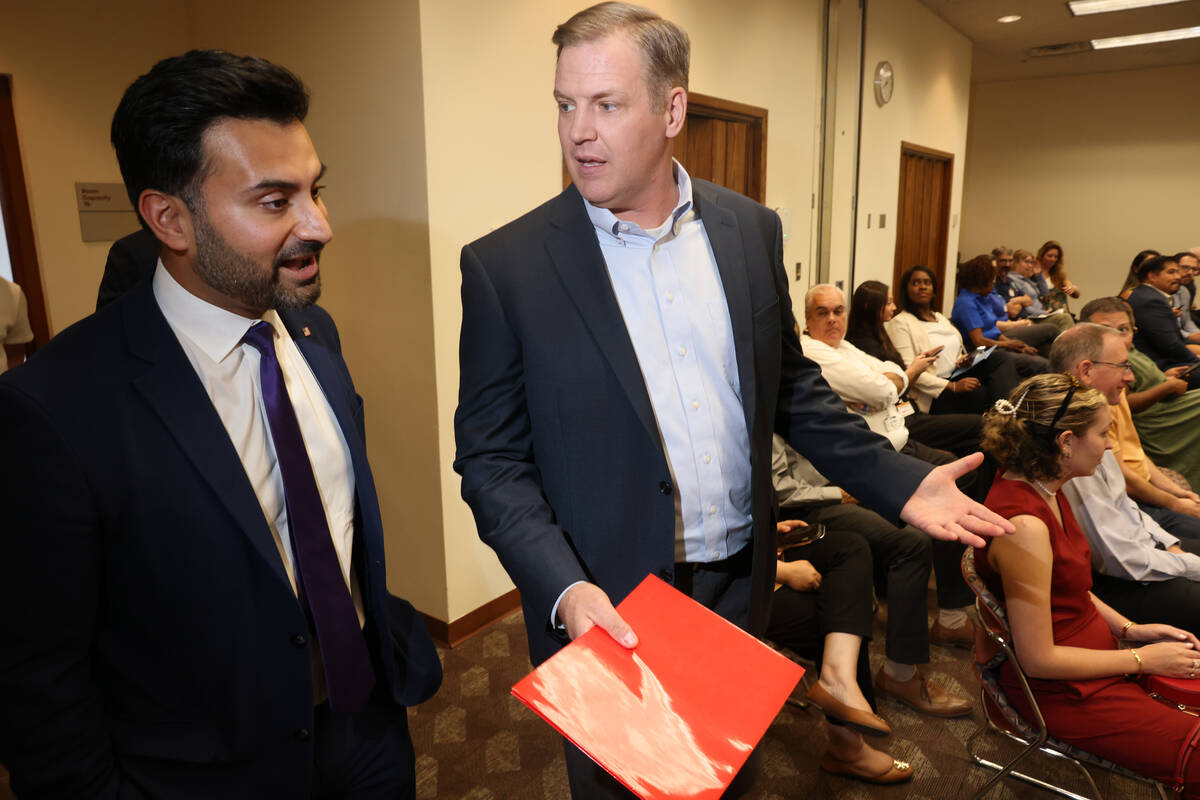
pixel 1082 342
pixel 812 292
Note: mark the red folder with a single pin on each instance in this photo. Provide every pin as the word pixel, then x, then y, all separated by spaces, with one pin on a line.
pixel 677 716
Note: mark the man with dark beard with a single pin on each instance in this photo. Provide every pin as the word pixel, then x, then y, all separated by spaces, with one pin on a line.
pixel 192 593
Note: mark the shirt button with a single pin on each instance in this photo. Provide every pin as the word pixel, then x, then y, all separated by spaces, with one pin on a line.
pixel 302 735
pixel 707 459
pixel 664 487
pixel 683 351
pixel 712 509
pixel 670 297
pixel 715 555
pixel 299 640
pixel 696 405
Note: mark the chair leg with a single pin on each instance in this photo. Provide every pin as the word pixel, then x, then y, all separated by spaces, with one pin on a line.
pixel 1008 769
pixel 1087 773
pixel 1000 770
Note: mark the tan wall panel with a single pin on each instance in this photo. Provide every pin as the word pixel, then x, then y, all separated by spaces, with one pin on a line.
pixel 70 62
pixel 932 63
pixel 1107 164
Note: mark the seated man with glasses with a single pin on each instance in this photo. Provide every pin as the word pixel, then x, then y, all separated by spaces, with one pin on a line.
pixel 1140 567
pixel 1166 414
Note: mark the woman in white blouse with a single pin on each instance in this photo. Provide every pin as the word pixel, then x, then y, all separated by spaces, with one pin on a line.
pixel 918 328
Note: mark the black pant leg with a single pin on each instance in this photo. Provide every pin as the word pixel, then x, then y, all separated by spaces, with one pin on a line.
pixel 1183 526
pixel 975 401
pixel 1027 366
pixel 905 555
pixel 998 373
pixel 957 433
pixel 367 755
pixel 1171 602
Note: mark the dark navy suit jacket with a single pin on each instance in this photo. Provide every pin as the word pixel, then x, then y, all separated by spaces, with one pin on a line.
pixel 152 644
pixel 557 443
pixel 1158 333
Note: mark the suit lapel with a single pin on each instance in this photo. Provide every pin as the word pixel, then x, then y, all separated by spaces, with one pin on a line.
pixel 328 376
pixel 580 264
pixel 725 237
pixel 175 393
pixel 332 382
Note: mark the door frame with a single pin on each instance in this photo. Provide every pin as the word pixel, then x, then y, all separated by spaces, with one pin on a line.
pixel 943 215
pixel 707 106
pixel 18 224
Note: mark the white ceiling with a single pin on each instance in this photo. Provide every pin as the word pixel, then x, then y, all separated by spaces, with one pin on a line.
pixel 1001 49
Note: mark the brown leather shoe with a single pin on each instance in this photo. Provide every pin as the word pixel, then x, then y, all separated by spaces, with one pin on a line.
pixel 898 772
pixel 963 636
pixel 923 695
pixel 862 721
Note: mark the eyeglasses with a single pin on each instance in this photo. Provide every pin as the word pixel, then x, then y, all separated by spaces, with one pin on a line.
pixel 1124 366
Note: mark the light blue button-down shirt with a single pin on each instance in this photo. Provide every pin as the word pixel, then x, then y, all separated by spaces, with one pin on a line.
pixel 671 297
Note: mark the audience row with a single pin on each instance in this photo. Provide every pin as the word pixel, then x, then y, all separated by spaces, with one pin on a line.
pixel 940 388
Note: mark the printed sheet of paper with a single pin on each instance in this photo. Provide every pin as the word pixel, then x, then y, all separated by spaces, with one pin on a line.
pixel 677 716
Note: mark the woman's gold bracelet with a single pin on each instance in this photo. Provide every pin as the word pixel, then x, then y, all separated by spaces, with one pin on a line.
pixel 1125 628
pixel 1139 659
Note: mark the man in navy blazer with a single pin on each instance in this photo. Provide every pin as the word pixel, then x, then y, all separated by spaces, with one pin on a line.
pixel 158 625
pixel 592 450
pixel 1158 334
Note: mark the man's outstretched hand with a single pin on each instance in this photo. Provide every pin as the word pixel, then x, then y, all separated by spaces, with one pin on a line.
pixel 584 606
pixel 944 512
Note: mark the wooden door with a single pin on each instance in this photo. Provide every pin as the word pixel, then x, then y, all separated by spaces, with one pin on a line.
pixel 923 213
pixel 726 143
pixel 18 225
pixel 723 142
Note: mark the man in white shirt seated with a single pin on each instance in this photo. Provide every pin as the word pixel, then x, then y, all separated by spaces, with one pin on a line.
pixel 1138 567
pixel 871 388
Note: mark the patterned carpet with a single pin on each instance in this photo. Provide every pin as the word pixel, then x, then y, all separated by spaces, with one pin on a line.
pixel 474 741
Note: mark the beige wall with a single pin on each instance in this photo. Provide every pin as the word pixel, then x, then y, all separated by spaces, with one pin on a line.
pixel 71 62
pixel 1107 164
pixel 69 67
pixel 361 60
pixel 493 154
pixel 932 64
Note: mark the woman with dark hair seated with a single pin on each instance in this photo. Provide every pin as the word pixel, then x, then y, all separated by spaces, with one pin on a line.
pixel 822 610
pixel 918 328
pixel 1065 638
pixel 870 307
pixel 1131 280
pixel 980 317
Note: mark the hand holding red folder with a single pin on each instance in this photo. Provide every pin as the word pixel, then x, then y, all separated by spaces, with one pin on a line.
pixel 678 715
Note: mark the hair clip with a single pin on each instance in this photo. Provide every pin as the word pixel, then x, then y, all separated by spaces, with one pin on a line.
pixel 1004 408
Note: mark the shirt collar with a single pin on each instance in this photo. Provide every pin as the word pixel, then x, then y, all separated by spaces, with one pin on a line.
pixel 607 222
pixel 1160 291
pixel 211 328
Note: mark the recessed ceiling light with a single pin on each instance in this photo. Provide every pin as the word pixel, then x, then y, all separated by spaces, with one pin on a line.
pixel 1147 38
pixel 1009 18
pixel 1081 7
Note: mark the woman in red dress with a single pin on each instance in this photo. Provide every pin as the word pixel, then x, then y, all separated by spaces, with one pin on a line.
pixel 1066 639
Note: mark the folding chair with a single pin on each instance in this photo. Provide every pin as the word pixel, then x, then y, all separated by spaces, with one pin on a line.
pixel 992 648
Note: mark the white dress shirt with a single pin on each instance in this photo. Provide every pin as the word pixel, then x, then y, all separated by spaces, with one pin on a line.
pixel 670 294
pixel 861 381
pixel 229 370
pixel 1125 542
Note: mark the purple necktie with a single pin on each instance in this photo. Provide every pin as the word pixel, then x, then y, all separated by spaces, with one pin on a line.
pixel 348 673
